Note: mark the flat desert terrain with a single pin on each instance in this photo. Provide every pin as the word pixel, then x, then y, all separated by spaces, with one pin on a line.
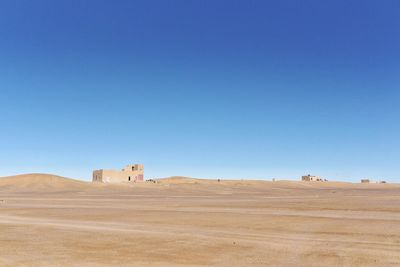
pixel 52 221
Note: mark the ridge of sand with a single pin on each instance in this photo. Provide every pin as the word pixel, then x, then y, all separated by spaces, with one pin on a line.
pixel 39 182
pixel 183 180
pixel 42 182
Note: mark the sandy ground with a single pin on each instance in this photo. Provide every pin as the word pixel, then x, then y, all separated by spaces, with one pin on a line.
pixel 50 221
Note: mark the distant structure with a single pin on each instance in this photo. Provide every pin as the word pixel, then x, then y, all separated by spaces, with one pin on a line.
pixel 311 178
pixel 365 181
pixel 131 173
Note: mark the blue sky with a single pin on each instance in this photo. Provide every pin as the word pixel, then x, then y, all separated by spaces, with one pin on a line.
pixel 231 89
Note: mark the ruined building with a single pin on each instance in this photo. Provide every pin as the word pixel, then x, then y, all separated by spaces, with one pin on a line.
pixel 311 178
pixel 131 173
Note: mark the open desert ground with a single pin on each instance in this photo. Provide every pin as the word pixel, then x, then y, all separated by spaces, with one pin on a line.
pixel 47 220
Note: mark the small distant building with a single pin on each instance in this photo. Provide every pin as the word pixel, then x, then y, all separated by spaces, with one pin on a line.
pixel 311 178
pixel 365 181
pixel 131 173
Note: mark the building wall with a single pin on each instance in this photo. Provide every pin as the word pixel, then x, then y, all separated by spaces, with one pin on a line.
pixel 310 178
pixel 131 173
pixel 135 167
pixel 97 175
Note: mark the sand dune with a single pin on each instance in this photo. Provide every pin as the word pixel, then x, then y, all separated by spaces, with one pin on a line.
pixel 40 182
pixel 47 220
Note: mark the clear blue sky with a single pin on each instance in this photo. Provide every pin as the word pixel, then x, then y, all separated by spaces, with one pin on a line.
pixel 234 89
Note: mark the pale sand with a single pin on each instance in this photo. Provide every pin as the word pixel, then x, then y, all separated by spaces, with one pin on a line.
pixel 51 221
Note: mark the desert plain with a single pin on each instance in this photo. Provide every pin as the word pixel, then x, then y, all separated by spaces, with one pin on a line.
pixel 47 220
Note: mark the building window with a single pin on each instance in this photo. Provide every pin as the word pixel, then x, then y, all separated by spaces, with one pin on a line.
pixel 129 178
